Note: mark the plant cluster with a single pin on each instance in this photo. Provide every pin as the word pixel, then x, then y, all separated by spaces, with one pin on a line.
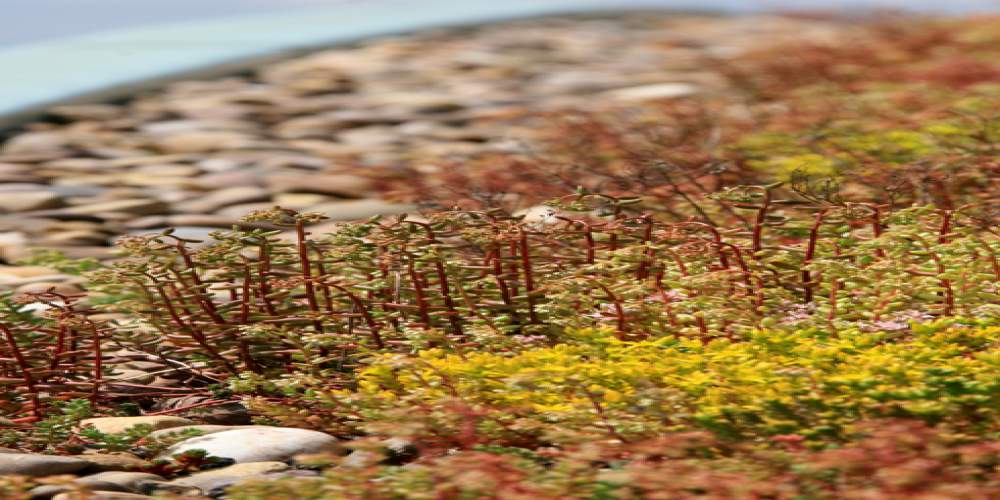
pixel 254 305
pixel 57 356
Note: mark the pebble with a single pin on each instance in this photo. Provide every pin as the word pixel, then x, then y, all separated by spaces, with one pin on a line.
pixel 299 201
pixel 48 491
pixel 128 481
pixel 107 462
pixel 343 185
pixel 216 480
pixel 259 444
pixel 102 495
pixel 142 206
pixel 201 141
pixel 24 201
pixel 115 425
pixel 655 91
pixel 35 142
pixel 224 198
pixel 28 464
pixel 79 237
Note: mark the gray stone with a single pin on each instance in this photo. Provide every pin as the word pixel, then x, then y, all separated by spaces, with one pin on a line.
pixel 29 464
pixel 48 491
pixel 259 444
pixel 218 479
pixel 134 207
pixel 106 462
pixel 139 482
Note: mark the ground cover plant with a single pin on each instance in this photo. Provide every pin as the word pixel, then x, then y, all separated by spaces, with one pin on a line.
pixel 796 301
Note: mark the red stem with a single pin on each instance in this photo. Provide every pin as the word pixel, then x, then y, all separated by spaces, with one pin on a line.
pixel 300 243
pixel 25 368
pixel 529 279
pixel 810 254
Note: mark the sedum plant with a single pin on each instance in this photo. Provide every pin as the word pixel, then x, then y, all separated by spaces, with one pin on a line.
pixel 254 302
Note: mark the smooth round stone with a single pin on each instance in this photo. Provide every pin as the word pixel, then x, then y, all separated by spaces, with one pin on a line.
pixel 102 495
pixel 133 207
pixel 29 200
pixel 168 169
pixel 47 491
pixel 35 142
pixel 30 464
pixel 75 237
pixel 201 141
pixel 12 239
pixel 259 444
pixel 298 201
pixel 19 187
pixel 226 179
pixel 26 271
pixel 219 479
pixel 654 91
pixel 115 425
pixel 113 462
pixel 224 198
pixel 129 481
pixel 345 185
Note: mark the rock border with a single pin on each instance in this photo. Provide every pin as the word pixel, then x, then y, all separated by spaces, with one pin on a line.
pixel 116 64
